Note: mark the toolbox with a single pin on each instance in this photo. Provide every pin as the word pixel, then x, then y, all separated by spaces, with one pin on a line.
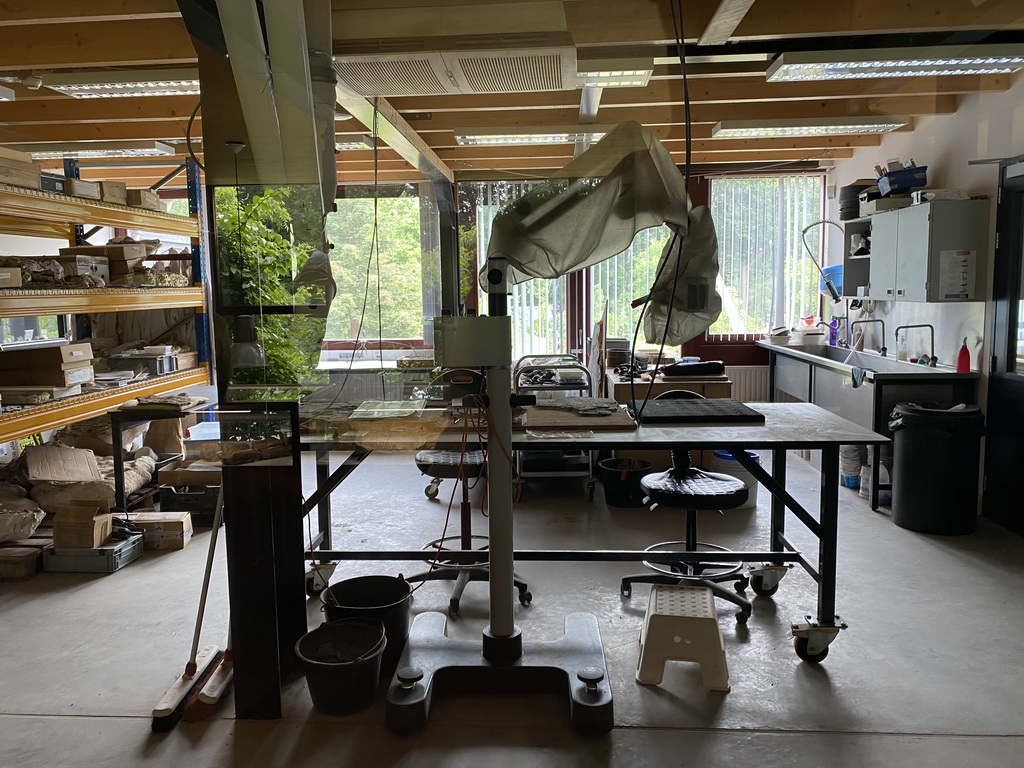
pixel 106 559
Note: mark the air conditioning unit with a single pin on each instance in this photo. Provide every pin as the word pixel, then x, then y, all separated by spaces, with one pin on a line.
pixel 458 64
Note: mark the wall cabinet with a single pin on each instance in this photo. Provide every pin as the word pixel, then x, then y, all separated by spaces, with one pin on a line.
pixel 932 252
pixel 32 212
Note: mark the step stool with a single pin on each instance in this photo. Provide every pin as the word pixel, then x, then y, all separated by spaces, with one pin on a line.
pixel 681 624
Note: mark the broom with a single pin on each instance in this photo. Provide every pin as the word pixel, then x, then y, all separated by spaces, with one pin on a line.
pixel 201 663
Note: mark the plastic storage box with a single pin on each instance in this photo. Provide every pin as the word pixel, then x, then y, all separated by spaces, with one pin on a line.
pixel 106 559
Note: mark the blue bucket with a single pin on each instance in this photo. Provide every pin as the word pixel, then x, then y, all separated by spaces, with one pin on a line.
pixel 835 274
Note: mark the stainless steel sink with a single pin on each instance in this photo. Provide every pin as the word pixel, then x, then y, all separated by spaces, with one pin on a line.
pixel 845 360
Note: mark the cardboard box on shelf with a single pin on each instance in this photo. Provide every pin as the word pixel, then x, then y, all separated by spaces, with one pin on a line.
pixel 81 526
pixel 56 377
pixel 187 360
pixel 181 473
pixel 45 358
pixel 163 530
pixel 51 182
pixel 131 252
pixel 114 192
pixel 882 204
pixel 17 168
pixel 10 277
pixel 82 188
pixel 95 266
pixel 144 198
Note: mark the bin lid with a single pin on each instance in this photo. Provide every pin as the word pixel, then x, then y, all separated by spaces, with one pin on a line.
pixel 939 410
pixel 721 453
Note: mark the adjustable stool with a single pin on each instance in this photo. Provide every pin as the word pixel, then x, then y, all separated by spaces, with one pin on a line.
pixel 681 624
pixel 458 466
pixel 693 489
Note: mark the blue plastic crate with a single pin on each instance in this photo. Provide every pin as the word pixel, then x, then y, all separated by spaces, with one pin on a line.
pixel 902 180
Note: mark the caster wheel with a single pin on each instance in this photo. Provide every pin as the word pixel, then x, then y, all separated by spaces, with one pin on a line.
pixel 757 585
pixel 525 598
pixel 312 590
pixel 626 590
pixel 431 491
pixel 453 609
pixel 741 617
pixel 800 646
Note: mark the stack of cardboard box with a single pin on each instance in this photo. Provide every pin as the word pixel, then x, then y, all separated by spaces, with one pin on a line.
pixel 60 366
pixel 120 260
pixel 17 169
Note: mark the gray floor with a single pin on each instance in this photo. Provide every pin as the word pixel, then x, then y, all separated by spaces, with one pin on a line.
pixel 927 674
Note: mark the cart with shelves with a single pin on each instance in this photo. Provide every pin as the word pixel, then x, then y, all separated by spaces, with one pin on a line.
pixel 554 376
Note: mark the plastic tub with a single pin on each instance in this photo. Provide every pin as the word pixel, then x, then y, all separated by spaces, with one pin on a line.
pixel 725 463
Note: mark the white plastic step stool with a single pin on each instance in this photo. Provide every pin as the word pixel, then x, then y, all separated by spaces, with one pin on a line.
pixel 682 625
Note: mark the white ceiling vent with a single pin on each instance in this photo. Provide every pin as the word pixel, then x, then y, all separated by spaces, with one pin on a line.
pixel 512 63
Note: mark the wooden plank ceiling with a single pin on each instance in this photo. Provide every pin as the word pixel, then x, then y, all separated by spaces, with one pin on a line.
pixel 738 39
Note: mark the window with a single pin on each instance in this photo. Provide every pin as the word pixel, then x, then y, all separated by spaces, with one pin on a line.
pixel 766 278
pixel 625 277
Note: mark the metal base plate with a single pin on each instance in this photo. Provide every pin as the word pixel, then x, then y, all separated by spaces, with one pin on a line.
pixel 458 666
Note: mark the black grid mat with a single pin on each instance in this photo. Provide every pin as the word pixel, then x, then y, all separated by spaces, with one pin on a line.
pixel 714 410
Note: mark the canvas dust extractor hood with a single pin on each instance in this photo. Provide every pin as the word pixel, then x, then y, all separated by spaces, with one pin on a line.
pixel 592 208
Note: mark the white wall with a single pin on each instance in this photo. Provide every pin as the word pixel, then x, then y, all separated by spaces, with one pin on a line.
pixel 985 126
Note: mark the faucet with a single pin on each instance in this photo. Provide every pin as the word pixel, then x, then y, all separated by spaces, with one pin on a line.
pixel 932 359
pixel 881 350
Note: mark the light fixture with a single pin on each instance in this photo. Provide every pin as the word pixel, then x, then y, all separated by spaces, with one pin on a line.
pixel 820 126
pixel 614 73
pixel 246 351
pixel 6 94
pixel 125 83
pixel 897 62
pixel 94 149
pixel 343 146
pixel 549 134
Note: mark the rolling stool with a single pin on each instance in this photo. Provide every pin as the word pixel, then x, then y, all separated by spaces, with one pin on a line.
pixel 458 466
pixel 681 624
pixel 693 489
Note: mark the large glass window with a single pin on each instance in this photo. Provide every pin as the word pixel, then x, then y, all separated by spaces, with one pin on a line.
pixel 625 277
pixel 766 278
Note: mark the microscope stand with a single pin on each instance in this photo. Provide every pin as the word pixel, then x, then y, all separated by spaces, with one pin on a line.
pixel 434 664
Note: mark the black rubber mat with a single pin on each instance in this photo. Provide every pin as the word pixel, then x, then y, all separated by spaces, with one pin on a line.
pixel 713 410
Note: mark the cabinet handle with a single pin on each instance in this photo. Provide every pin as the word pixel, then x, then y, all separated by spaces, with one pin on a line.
pixel 900 292
pixel 888 291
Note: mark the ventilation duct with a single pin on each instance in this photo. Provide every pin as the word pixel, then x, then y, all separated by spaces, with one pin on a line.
pixel 458 64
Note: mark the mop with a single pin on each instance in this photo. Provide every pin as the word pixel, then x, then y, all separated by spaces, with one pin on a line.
pixel 202 663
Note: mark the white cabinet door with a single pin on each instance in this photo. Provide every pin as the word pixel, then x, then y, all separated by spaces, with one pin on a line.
pixel 884 233
pixel 913 243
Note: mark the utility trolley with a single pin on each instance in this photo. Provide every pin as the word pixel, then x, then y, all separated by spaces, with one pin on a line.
pixel 550 377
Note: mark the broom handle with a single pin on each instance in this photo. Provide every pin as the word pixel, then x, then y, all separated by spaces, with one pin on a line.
pixel 190 668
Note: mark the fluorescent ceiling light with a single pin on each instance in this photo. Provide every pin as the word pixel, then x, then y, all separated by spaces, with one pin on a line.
pixel 825 126
pixel 614 73
pixel 897 62
pixel 6 94
pixel 342 146
pixel 552 134
pixel 125 83
pixel 95 149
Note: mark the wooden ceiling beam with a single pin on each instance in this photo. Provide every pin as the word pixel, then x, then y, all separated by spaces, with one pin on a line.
pixel 706 114
pixel 144 43
pixel 638 22
pixel 728 90
pixel 68 111
pixel 25 12
pixel 723 23
pixel 161 131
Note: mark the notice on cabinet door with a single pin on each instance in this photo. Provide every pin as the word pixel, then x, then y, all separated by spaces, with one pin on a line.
pixel 956 274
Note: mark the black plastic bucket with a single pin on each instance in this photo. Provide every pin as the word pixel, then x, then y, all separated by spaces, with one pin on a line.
pixel 384 598
pixel 621 481
pixel 341 660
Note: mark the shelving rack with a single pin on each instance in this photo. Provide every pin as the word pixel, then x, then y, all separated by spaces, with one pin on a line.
pixel 36 213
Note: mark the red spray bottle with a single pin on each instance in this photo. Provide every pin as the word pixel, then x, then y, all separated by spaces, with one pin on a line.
pixel 963 359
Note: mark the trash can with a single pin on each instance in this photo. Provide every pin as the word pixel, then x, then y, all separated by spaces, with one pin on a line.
pixel 385 598
pixel 341 660
pixel 621 481
pixel 936 456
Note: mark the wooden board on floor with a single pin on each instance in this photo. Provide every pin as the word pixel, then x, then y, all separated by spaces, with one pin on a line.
pixel 546 418
pixel 19 563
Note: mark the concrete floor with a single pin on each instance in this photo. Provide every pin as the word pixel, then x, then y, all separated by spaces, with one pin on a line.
pixel 927 674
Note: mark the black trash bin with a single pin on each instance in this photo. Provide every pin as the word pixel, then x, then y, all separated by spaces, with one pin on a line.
pixel 936 450
pixel 621 481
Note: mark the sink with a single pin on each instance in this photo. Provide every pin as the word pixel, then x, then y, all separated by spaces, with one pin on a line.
pixel 842 359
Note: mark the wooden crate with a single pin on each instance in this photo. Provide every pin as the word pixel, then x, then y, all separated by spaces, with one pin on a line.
pixel 19 563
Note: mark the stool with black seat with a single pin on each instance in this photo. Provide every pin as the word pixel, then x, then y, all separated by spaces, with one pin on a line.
pixel 687 487
pixel 463 467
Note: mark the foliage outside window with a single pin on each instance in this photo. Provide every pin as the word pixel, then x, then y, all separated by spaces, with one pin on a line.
pixel 766 278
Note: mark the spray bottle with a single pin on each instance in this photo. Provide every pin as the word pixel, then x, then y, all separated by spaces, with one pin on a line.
pixel 963 359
